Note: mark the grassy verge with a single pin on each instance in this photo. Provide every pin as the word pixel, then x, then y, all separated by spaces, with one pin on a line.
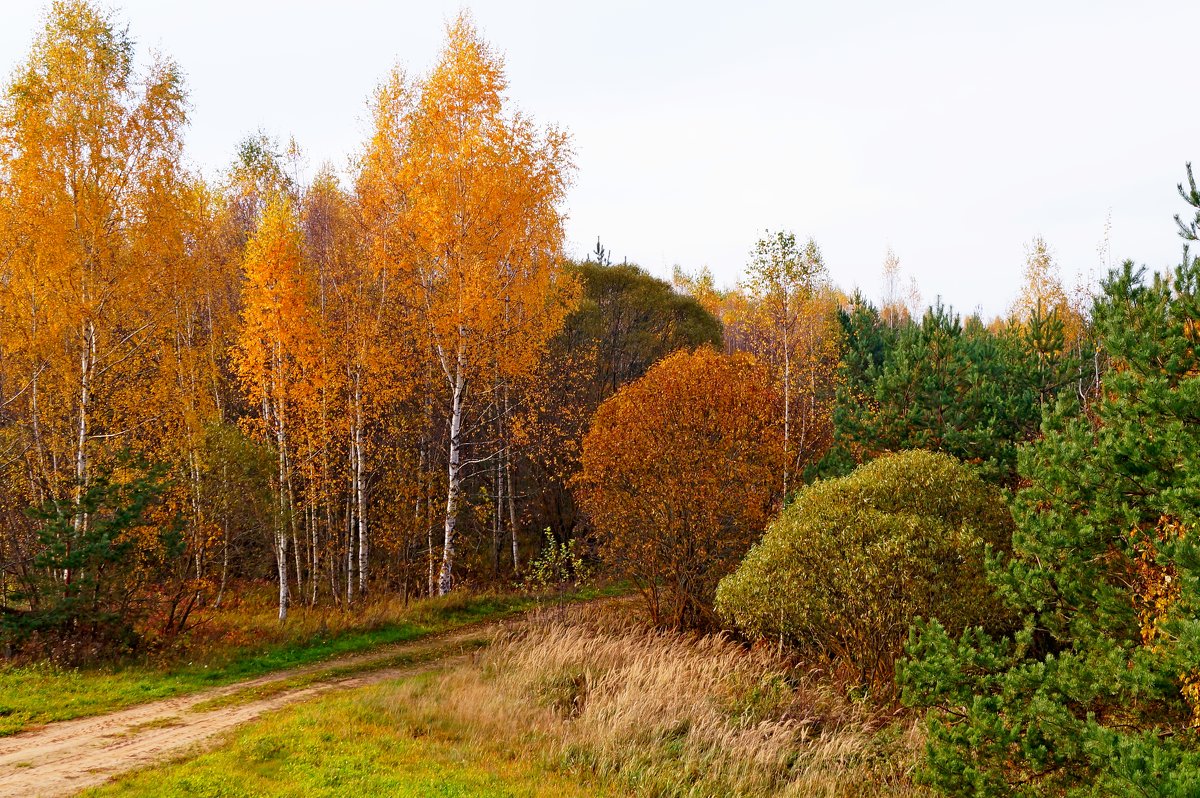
pixel 38 694
pixel 584 702
pixel 359 743
pixel 277 686
pixel 594 694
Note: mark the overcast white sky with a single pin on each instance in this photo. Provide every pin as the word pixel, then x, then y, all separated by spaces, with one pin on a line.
pixel 952 132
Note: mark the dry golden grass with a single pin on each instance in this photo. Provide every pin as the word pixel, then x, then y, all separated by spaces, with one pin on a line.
pixel 592 692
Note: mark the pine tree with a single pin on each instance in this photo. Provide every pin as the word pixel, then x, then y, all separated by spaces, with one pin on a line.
pixel 1098 692
pixel 941 385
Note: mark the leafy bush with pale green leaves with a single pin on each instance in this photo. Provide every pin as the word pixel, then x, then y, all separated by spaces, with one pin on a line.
pixel 849 565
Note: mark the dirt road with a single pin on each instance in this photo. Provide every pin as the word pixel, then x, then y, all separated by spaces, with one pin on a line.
pixel 63 758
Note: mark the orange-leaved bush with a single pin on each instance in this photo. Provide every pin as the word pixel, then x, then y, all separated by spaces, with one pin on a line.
pixel 680 475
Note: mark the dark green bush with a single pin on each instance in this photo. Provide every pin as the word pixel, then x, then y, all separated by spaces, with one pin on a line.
pixel 849 565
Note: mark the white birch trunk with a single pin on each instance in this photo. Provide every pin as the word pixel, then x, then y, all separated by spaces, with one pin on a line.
pixel 348 527
pixel 512 511
pixel 454 473
pixel 281 559
pixel 85 385
pixel 281 507
pixel 281 540
pixel 360 489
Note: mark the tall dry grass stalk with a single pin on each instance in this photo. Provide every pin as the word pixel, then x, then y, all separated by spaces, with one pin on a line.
pixel 665 714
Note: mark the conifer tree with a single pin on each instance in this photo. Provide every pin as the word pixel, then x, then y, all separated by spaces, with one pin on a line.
pixel 1098 692
pixel 946 385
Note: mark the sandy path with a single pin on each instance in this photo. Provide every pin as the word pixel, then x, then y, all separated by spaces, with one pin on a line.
pixel 63 758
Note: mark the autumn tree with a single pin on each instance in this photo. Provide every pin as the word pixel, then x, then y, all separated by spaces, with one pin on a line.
pixel 680 475
pixel 277 360
pixel 786 313
pixel 367 458
pixel 901 299
pixel 101 332
pixel 85 154
pixel 790 322
pixel 701 287
pixel 1043 295
pixel 461 199
pixel 335 437
pixel 626 321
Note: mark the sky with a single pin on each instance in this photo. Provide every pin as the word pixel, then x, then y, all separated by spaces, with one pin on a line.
pixel 953 133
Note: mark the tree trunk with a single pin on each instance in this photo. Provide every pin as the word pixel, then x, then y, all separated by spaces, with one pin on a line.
pixel 314 542
pixel 508 479
pixel 291 521
pixel 787 413
pixel 497 512
pixel 281 558
pixel 282 507
pixel 351 526
pixel 85 386
pixel 512 510
pixel 224 564
pixel 281 539
pixel 360 489
pixel 423 508
pixel 454 474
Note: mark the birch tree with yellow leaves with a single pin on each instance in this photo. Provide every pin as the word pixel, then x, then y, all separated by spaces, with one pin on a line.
pixel 789 319
pixel 462 199
pixel 110 306
pixel 88 150
pixel 277 359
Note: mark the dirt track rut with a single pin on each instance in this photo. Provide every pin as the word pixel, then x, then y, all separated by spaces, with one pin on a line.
pixel 63 758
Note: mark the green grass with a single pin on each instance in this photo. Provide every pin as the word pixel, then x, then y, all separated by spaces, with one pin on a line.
pixel 275 687
pixel 358 743
pixel 38 694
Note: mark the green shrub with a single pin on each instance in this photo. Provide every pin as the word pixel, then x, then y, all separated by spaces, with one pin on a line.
pixel 853 561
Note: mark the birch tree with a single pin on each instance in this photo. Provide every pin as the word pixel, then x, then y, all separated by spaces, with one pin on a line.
pixel 89 153
pixel 790 321
pixel 462 200
pixel 276 357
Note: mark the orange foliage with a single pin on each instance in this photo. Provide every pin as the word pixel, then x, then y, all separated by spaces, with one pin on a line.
pixel 277 358
pixel 1157 588
pixel 462 203
pixel 1043 293
pixel 680 476
pixel 91 196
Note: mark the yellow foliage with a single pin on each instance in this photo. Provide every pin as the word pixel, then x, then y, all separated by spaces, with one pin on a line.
pixel 1156 590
